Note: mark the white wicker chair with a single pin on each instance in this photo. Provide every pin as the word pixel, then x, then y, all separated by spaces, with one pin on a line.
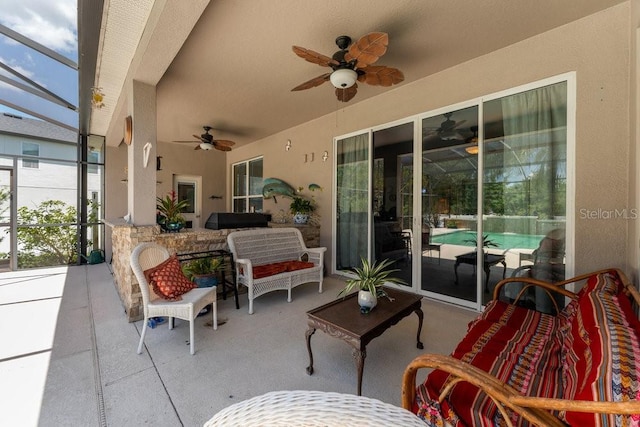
pixel 311 408
pixel 148 255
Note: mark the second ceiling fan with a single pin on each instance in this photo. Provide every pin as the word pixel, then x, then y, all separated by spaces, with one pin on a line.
pixel 207 142
pixel 352 62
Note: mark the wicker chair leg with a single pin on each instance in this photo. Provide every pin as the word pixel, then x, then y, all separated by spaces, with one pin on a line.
pixel 289 293
pixel 192 344
pixel 171 322
pixel 144 331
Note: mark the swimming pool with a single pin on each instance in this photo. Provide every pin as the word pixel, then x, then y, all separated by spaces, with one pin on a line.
pixel 503 240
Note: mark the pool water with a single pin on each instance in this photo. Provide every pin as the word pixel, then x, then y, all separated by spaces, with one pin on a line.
pixel 503 240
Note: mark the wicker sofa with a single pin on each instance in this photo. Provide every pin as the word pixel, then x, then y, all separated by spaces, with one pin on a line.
pixel 517 366
pixel 271 259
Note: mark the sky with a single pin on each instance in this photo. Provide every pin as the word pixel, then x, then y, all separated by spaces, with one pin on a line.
pixel 52 23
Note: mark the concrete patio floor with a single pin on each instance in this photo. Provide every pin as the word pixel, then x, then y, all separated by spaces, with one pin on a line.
pixel 68 354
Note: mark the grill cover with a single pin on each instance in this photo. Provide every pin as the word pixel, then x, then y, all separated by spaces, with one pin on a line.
pixel 222 220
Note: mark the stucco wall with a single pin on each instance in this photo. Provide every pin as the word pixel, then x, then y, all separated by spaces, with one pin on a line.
pixel 597 48
pixel 177 159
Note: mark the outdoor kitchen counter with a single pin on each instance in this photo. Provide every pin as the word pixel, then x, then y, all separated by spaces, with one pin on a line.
pixel 125 237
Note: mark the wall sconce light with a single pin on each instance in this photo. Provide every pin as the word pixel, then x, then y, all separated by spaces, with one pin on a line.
pixel 288 145
pixel 325 156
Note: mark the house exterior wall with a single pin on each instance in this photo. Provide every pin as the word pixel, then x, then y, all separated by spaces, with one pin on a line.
pixel 600 49
pixel 51 180
pixel 597 48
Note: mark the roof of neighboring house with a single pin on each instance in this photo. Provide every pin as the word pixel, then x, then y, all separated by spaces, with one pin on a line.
pixel 39 129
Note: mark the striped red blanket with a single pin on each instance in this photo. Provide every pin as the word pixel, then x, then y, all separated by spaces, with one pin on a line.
pixel 590 351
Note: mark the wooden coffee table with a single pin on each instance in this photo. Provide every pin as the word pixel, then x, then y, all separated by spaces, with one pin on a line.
pixel 489 260
pixel 342 319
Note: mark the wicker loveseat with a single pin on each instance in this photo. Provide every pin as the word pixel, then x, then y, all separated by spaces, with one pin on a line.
pixel 271 259
pixel 517 366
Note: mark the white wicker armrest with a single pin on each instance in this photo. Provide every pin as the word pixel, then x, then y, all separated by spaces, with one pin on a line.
pixel 244 267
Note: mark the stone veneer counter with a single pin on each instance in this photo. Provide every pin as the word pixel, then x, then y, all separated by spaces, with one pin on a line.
pixel 125 237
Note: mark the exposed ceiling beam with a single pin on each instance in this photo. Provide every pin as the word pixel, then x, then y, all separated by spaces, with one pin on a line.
pixel 89 25
pixel 37 46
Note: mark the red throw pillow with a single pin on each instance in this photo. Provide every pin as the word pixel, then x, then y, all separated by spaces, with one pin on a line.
pixel 168 281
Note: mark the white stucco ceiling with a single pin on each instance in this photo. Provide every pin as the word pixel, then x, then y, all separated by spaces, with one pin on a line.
pixel 235 71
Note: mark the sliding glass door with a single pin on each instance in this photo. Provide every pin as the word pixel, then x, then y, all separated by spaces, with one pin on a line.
pixel 449 203
pixel 485 199
pixel 525 183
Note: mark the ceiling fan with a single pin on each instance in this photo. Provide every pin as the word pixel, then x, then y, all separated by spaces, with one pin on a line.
pixel 352 62
pixel 448 129
pixel 207 142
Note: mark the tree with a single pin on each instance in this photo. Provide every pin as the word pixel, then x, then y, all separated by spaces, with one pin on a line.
pixel 47 244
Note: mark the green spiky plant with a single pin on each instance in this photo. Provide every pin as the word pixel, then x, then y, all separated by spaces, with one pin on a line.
pixel 371 277
pixel 486 242
pixel 201 266
pixel 170 208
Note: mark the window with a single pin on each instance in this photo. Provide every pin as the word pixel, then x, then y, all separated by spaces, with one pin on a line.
pixel 247 186
pixel 30 149
pixel 93 157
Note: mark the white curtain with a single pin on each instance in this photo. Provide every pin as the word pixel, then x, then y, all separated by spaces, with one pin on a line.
pixel 352 201
pixel 535 145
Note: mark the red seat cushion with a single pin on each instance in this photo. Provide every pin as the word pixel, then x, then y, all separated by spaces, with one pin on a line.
pixel 267 270
pixel 168 281
pixel 298 265
pixel 260 271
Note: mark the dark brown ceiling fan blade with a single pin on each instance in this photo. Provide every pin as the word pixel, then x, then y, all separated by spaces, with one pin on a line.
pixel 346 95
pixel 368 49
pixel 224 142
pixel 197 147
pixel 316 81
pixel 221 147
pixel 380 75
pixel 314 57
pixel 199 138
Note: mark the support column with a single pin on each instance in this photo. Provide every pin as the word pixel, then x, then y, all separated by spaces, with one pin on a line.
pixel 141 184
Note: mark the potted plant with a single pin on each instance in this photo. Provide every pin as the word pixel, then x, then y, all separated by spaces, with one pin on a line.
pixel 301 208
pixel 203 271
pixel 486 242
pixel 369 280
pixel 170 212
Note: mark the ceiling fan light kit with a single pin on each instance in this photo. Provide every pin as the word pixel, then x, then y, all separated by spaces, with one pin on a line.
pixel 343 78
pixel 472 149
